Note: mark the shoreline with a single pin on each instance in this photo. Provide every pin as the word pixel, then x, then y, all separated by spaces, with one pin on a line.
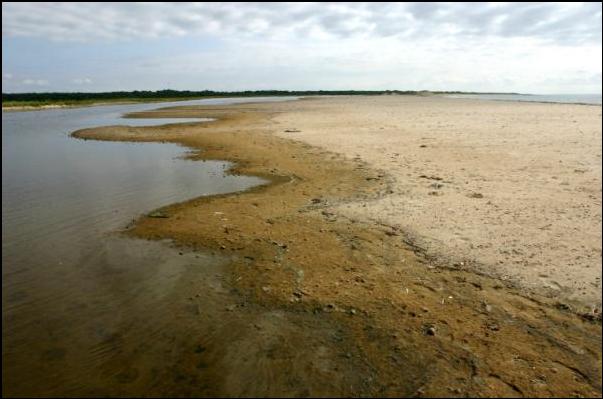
pixel 526 101
pixel 292 252
pixel 26 108
pixel 23 108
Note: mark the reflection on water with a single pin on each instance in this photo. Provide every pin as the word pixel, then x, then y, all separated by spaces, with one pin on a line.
pixel 83 310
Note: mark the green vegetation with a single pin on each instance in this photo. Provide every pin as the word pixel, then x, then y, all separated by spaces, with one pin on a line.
pixel 85 102
pixel 66 99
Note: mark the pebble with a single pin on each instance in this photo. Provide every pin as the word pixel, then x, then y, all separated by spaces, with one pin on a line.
pixel 429 330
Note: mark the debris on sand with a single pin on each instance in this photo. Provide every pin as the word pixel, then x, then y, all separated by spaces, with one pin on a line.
pixel 158 214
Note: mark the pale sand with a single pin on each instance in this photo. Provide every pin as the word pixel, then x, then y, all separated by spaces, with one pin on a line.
pixel 538 167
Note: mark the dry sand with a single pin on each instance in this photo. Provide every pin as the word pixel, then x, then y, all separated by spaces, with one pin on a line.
pixel 535 167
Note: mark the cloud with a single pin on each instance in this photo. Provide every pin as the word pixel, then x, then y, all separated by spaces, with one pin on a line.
pixel 522 47
pixel 7 76
pixel 564 24
pixel 82 81
pixel 35 82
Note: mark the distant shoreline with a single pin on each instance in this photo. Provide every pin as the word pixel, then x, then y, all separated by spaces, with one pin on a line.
pixel 531 98
pixel 30 105
pixel 42 101
pixel 42 107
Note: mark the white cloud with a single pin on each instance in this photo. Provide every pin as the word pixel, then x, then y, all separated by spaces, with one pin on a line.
pixel 522 47
pixel 82 81
pixel 35 82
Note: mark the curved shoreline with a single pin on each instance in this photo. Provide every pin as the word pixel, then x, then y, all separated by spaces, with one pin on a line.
pixel 290 253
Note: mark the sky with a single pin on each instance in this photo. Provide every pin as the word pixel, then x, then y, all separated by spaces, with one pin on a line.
pixel 543 48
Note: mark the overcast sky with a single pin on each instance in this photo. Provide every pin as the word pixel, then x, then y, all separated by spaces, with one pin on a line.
pixel 503 47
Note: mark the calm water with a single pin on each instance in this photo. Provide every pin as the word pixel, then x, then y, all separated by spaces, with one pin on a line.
pixel 548 98
pixel 86 312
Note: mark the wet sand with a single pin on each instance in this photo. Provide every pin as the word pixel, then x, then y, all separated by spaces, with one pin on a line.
pixel 401 319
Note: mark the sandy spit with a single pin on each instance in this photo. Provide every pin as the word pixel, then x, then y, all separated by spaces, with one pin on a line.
pixel 342 235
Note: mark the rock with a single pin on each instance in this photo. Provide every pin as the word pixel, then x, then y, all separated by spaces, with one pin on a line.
pixel 266 289
pixel 563 306
pixel 429 329
pixel 329 308
pixel 352 311
pixel 283 246
pixel 430 177
pixel 316 200
pixel 292 131
pixel 437 186
pixel 230 308
pixel 476 195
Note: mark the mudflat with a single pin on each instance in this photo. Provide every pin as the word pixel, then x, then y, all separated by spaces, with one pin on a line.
pixel 450 246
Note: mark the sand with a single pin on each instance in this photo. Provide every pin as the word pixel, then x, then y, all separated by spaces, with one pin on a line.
pixel 512 189
pixel 315 245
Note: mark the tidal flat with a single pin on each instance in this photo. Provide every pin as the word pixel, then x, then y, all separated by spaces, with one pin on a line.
pixel 356 300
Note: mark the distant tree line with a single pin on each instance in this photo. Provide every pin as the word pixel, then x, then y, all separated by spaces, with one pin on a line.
pixel 146 94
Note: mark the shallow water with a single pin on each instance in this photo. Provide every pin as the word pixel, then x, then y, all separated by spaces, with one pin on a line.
pixel 86 312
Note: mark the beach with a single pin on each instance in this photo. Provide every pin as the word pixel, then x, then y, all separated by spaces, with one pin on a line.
pixel 511 189
pixel 453 246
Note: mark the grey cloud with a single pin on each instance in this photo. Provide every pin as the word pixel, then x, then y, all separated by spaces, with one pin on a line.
pixel 34 82
pixel 559 23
